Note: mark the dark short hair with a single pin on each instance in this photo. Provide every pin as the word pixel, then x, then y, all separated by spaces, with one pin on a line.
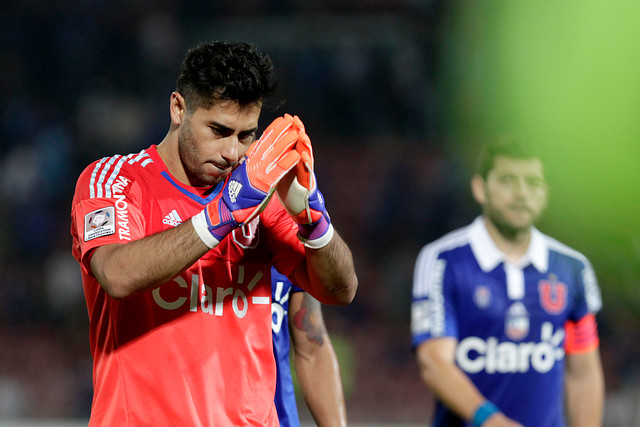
pixel 512 146
pixel 225 71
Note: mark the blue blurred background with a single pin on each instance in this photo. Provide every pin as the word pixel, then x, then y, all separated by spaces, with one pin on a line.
pixel 396 95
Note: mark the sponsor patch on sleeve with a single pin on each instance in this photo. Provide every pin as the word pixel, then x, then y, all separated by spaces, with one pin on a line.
pixel 99 223
pixel 420 313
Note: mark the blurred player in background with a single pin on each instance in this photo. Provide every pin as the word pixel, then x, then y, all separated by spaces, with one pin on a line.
pixel 176 245
pixel 503 316
pixel 298 324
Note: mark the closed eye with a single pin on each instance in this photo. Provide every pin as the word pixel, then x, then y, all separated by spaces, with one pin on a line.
pixel 220 131
pixel 247 137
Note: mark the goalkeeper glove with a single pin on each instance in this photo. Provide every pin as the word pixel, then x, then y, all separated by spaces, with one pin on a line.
pixel 298 192
pixel 251 184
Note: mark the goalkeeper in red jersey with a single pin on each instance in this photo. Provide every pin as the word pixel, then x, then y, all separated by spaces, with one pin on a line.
pixel 176 244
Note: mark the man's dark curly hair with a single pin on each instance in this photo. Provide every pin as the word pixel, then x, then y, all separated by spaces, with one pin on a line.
pixel 224 71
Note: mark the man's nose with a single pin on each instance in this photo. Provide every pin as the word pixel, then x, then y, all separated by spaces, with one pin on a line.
pixel 230 149
pixel 520 187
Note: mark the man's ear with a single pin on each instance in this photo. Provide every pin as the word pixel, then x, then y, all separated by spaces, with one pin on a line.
pixel 177 108
pixel 477 189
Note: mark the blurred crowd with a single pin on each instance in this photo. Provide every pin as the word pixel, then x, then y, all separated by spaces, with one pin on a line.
pixel 84 79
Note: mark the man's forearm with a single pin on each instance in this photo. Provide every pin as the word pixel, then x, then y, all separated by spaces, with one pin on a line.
pixel 125 269
pixel 585 390
pixel 315 362
pixel 453 388
pixel 331 274
pixel 585 406
pixel 319 377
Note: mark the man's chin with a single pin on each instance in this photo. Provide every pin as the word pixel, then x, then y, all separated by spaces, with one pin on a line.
pixel 207 180
pixel 512 227
pixel 520 220
pixel 518 226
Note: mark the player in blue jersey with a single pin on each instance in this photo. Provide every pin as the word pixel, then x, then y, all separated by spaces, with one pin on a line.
pixel 503 316
pixel 297 323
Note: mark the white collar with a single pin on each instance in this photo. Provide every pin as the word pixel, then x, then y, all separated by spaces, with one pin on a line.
pixel 489 256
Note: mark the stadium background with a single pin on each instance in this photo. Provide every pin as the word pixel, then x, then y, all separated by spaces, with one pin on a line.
pixel 395 95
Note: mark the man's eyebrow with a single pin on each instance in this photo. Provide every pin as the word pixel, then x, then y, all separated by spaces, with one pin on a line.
pixel 227 129
pixel 220 126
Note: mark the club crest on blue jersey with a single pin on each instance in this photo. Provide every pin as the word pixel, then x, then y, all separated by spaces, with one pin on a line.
pixel 553 295
pixel 482 296
pixel 516 323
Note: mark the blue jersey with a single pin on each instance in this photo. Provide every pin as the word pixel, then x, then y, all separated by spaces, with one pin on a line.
pixel 508 319
pixel 285 398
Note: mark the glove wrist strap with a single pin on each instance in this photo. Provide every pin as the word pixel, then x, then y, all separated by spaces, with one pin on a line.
pixel 200 224
pixel 316 240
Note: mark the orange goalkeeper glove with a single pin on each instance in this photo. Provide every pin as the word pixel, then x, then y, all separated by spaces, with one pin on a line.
pixel 250 186
pixel 298 192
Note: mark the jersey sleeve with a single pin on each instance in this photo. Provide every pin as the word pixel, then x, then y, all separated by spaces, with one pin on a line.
pixel 592 295
pixel 587 299
pixel 581 328
pixel 433 313
pixel 106 209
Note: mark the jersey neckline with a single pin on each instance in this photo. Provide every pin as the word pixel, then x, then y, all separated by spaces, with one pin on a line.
pixel 202 195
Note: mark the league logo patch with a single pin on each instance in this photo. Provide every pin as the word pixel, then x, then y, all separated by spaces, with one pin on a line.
pixel 99 223
pixel 553 295
pixel 516 322
pixel 482 296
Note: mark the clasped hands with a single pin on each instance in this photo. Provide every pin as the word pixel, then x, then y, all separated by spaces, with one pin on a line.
pixel 281 162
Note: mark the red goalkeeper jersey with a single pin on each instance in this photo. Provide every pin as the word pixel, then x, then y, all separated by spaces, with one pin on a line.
pixel 197 350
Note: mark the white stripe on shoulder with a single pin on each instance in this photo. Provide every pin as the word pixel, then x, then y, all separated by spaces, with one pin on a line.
pixel 114 175
pixel 112 166
pixel 140 156
pixel 103 174
pixel 92 181
pixel 562 248
pixel 428 256
pixel 592 292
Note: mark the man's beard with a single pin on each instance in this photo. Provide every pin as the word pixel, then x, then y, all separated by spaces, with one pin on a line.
pixel 504 227
pixel 190 159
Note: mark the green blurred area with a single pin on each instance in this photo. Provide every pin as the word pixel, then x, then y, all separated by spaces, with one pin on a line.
pixel 567 75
